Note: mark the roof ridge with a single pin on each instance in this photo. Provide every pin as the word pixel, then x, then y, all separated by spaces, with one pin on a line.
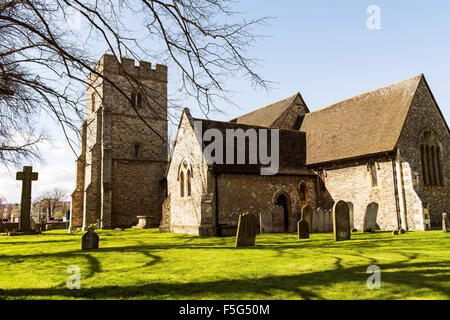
pixel 246 125
pixel 420 76
pixel 270 104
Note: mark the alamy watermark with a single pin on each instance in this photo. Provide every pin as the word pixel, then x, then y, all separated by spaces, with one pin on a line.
pixel 235 142
pixel 74 280
pixel 374 281
pixel 374 19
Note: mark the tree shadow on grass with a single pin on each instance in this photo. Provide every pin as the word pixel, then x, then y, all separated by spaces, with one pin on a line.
pixel 301 286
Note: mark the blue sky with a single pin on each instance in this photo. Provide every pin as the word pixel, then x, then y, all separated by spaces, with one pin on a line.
pixel 322 49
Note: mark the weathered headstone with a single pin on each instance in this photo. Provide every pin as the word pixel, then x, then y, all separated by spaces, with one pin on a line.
pixel 370 220
pixel 303 229
pixel 341 221
pixel 307 212
pixel 278 219
pixel 318 221
pixel 27 176
pixel 246 231
pixel 144 222
pixel 89 240
pixel 445 224
pixel 265 222
pixel 328 220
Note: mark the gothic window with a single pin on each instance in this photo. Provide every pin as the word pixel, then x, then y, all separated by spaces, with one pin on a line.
pixel 185 178
pixel 93 102
pixel 373 174
pixel 430 157
pixel 182 184
pixel 189 183
pixel 302 191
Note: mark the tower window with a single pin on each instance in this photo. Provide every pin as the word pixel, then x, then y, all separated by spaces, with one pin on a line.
pixel 137 150
pixel 373 174
pixel 93 102
pixel 136 99
pixel 430 156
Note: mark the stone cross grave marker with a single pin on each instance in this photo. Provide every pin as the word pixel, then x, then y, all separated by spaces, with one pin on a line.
pixel 445 224
pixel 341 221
pixel 27 176
pixel 89 240
pixel 303 229
pixel 246 231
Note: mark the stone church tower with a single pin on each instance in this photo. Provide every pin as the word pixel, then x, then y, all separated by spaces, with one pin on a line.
pixel 121 168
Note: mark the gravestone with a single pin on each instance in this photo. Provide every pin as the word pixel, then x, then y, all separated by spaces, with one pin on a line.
pixel 27 176
pixel 303 229
pixel 370 220
pixel 307 213
pixel 445 224
pixel 89 240
pixel 246 230
pixel 341 221
pixel 265 222
pixel 278 219
pixel 318 221
pixel 144 222
pixel 328 220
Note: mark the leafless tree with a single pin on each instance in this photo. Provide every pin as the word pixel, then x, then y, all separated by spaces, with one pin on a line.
pixel 44 63
pixel 50 199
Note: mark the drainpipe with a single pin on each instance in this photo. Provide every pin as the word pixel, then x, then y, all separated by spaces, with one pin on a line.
pixel 397 206
pixel 218 231
pixel 401 190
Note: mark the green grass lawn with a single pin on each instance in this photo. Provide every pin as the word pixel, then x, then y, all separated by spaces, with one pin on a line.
pixel 144 264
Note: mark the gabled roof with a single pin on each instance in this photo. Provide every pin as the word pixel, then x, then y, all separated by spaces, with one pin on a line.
pixel 292 149
pixel 268 115
pixel 367 124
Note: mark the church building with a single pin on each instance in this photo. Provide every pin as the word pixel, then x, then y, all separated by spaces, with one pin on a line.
pixel 385 153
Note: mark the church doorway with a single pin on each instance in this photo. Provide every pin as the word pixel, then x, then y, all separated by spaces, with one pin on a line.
pixel 283 201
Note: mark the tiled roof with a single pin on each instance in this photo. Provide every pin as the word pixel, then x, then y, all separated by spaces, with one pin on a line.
pixel 367 124
pixel 268 115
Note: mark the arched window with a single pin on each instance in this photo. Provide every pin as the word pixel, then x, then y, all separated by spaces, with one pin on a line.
pixel 302 191
pixel 430 157
pixel 185 171
pixel 372 167
pixel 182 184
pixel 189 183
